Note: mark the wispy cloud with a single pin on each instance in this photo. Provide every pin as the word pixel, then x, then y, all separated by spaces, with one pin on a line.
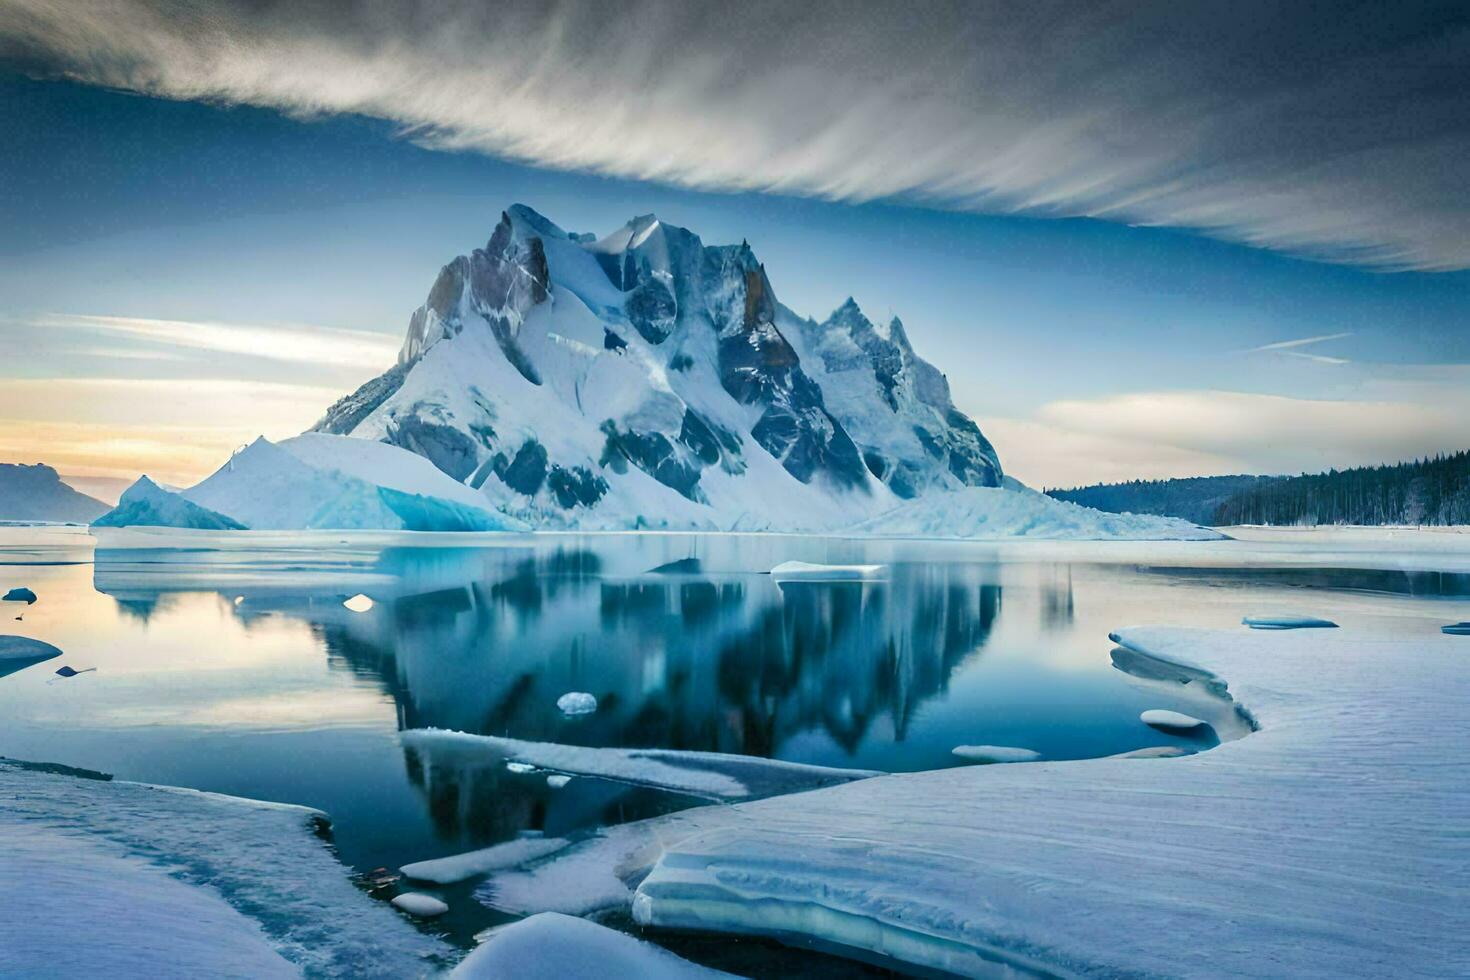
pixel 1315 358
pixel 1284 345
pixel 1152 114
pixel 299 344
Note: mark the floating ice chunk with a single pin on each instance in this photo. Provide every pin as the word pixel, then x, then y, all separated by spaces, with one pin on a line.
pixel 552 946
pixel 1456 629
pixel 1153 752
pixel 557 780
pixel 239 599
pixel 995 753
pixel 359 603
pixel 21 594
pixel 576 703
pixel 471 864
pixel 805 571
pixel 520 768
pixel 1170 721
pixel 711 775
pixel 1287 622
pixel 419 904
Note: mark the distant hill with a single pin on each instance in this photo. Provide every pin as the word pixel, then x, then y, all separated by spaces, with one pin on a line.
pixel 1426 491
pixel 1195 498
pixel 36 493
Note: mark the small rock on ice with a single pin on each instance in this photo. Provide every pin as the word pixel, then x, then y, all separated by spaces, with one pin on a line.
pixel 1456 629
pixel 1287 623
pixel 21 594
pixel 576 703
pixel 1170 721
pixel 419 904
pixel 810 571
pixel 995 753
pixel 359 603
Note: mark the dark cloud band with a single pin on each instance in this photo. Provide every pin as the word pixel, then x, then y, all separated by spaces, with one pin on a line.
pixel 1337 131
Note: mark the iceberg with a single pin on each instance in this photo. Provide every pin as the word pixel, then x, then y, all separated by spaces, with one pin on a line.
pixel 576 703
pixel 359 603
pixel 551 946
pixel 146 503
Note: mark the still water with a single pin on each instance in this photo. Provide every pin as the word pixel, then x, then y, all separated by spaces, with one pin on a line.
pixel 243 673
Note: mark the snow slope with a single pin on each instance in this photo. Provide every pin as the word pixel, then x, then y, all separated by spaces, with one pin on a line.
pixel 648 380
pixel 995 512
pixel 147 504
pixel 127 879
pixel 1328 843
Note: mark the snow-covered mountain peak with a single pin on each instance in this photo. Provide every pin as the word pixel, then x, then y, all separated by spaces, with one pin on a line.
pixel 645 377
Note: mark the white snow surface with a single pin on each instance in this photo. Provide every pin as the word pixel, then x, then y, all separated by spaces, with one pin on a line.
pixel 419 904
pixel 472 864
pixel 113 878
pixel 550 946
pixel 359 603
pixel 1327 843
pixel 1287 622
pixel 999 512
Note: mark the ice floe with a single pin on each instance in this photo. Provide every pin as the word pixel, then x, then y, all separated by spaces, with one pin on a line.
pixel 359 603
pixel 419 904
pixel 576 703
pixel 551 946
pixel 1170 721
pixel 558 780
pixel 1287 622
pixel 995 753
pixel 128 879
pixel 805 571
pixel 1326 843
pixel 1456 629
pixel 1154 752
pixel 19 652
pixel 21 594
pixel 472 864
pixel 711 775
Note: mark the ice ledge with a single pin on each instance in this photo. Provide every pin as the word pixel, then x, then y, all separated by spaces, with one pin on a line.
pixel 1328 843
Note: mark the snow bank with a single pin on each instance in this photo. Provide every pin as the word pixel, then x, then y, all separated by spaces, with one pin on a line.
pixel 473 864
pixel 183 881
pixel 1327 843
pixel 550 946
pixel 712 775
pixel 1287 622
pixel 996 512
pixel 805 571
pixel 995 753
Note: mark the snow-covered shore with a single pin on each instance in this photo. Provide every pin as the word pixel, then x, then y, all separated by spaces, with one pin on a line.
pixel 1328 843
pixel 104 877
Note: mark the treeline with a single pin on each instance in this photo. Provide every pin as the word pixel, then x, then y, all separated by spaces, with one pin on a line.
pixel 1426 491
pixel 1195 498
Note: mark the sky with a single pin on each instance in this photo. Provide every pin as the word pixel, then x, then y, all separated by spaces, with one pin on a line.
pixel 1140 240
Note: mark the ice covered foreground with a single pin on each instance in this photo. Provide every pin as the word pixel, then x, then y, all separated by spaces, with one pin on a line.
pixel 117 879
pixel 551 946
pixel 1327 843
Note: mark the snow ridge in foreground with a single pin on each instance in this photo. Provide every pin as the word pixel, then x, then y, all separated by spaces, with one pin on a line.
pixel 266 897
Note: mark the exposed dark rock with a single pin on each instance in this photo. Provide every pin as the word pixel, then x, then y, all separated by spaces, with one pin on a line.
pixel 652 309
pixel 611 341
pixel 527 471
pixel 575 485
pixel 681 362
pixel 347 412
pixel 654 454
pixel 443 445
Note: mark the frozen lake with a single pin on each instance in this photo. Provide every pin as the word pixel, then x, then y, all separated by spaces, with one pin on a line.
pixel 241 671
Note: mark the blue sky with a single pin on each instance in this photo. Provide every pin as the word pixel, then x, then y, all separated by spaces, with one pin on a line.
pixel 179 274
